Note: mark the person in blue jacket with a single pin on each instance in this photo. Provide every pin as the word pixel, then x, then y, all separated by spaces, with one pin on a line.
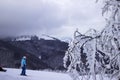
pixel 23 66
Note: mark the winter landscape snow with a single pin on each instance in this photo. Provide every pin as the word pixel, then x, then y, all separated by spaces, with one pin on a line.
pixel 14 74
pixel 94 55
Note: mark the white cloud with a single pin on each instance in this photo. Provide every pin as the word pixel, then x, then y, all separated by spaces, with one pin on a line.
pixel 53 17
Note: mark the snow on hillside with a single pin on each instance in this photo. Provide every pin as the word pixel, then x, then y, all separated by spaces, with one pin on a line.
pixel 14 74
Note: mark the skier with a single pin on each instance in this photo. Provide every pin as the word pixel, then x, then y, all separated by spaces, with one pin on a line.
pixel 23 66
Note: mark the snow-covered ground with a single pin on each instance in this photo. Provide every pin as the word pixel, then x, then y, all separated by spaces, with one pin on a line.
pixel 14 74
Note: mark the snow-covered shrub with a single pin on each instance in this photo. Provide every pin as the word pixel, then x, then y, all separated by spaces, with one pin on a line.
pixel 95 53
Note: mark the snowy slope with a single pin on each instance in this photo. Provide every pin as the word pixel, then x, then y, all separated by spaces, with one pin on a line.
pixel 14 74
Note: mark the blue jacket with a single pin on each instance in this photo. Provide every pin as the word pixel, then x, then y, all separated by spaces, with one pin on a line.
pixel 23 62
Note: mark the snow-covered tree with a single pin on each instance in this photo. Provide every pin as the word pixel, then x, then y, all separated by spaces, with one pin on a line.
pixel 110 36
pixel 81 55
pixel 97 53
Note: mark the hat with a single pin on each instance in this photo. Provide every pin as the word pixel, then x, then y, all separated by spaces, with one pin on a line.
pixel 24 57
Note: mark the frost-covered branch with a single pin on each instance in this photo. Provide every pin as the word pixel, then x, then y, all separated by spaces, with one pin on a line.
pixel 95 53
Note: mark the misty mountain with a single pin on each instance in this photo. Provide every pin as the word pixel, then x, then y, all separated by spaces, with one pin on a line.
pixel 41 53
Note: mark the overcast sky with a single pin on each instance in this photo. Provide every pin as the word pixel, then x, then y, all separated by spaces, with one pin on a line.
pixel 58 18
